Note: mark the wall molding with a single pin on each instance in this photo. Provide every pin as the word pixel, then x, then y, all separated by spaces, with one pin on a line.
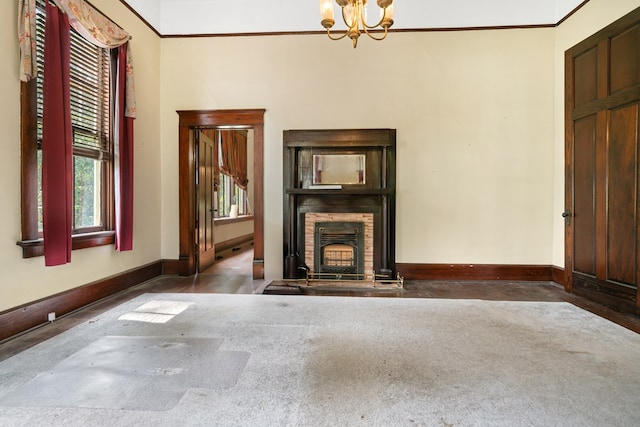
pixel 31 315
pixel 519 272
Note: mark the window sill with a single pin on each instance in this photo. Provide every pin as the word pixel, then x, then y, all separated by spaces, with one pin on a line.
pixel 226 220
pixel 35 248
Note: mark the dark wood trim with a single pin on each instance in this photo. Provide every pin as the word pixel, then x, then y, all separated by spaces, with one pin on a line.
pixel 569 103
pixel 35 247
pixel 169 266
pixel 258 199
pixel 575 9
pixel 322 32
pixel 144 21
pixel 232 243
pixel 28 316
pixel 392 30
pixel 29 160
pixel 188 120
pixel 558 275
pixel 538 273
pixel 618 297
pixel 626 21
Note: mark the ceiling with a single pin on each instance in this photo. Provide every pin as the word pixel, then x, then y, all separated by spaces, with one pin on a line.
pixel 198 17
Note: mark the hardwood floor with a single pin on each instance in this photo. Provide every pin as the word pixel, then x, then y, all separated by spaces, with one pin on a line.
pixel 231 274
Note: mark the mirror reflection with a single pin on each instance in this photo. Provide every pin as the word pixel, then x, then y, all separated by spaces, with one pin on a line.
pixel 338 169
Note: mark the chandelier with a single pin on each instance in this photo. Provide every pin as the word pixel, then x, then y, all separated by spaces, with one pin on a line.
pixel 354 15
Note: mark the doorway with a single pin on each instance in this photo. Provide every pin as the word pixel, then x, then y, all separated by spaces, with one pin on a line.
pixel 187 160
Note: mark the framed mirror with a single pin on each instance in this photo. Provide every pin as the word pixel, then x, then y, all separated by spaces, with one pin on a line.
pixel 342 169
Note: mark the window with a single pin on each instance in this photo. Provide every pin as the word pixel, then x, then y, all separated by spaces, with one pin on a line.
pixel 91 117
pixel 230 194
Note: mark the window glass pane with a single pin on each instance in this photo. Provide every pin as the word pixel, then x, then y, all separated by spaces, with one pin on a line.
pixel 87 207
pixel 230 194
pixel 223 196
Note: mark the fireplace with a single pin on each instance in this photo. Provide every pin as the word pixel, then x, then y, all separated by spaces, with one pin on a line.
pixel 339 205
pixel 340 228
pixel 339 250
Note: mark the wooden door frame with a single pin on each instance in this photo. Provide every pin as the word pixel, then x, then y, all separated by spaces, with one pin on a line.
pixel 568 170
pixel 192 119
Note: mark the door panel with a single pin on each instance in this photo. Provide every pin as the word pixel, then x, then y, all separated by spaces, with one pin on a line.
pixel 602 126
pixel 622 192
pixel 205 180
pixel 585 78
pixel 584 199
pixel 624 59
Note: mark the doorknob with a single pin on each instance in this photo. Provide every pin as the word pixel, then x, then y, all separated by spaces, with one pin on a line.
pixel 567 217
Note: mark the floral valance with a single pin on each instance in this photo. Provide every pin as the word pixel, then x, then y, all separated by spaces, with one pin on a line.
pixel 88 22
pixel 27 39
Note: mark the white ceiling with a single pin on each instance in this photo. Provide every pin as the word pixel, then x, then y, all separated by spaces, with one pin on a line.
pixel 192 17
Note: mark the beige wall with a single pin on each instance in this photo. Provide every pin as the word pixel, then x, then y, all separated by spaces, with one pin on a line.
pixel 473 111
pixel 480 136
pixel 594 16
pixel 25 280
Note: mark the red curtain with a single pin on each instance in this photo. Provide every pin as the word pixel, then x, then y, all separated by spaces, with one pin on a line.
pixel 57 150
pixel 233 147
pixel 123 161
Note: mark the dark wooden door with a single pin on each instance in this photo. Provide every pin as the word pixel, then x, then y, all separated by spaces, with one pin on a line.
pixel 206 201
pixel 602 192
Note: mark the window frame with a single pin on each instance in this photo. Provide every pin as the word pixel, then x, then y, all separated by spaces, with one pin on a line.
pixel 32 241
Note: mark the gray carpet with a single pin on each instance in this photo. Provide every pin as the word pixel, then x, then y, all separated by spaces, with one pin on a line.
pixel 202 359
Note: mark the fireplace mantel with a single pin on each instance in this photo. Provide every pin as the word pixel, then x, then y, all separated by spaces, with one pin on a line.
pixel 367 188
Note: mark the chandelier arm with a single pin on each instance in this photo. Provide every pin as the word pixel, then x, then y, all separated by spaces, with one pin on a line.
pixel 336 37
pixel 384 36
pixel 354 20
pixel 371 27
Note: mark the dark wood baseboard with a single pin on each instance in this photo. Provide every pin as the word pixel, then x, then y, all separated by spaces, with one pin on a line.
pixel 28 316
pixel 170 266
pixel 232 243
pixel 557 275
pixel 538 273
